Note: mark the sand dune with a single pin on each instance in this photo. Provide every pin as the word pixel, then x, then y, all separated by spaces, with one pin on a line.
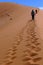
pixel 21 39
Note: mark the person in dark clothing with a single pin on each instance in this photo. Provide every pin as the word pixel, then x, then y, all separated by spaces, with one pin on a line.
pixel 32 14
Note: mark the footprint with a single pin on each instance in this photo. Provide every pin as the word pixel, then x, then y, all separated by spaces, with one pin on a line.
pixel 25 55
pixel 13 53
pixel 19 39
pixel 33 46
pixel 33 54
pixel 29 63
pixel 37 59
pixel 34 41
pixel 14 47
pixel 18 42
pixel 14 50
pixel 36 38
pixel 27 50
pixel 9 51
pixel 35 64
pixel 10 55
pixel 27 45
pixel 7 14
pixel 7 60
pixel 13 57
pixel 37 44
pixel 37 49
pixel 32 32
pixel 10 18
pixel 9 63
pixel 27 39
pixel 7 56
pixel 26 59
pixel 33 36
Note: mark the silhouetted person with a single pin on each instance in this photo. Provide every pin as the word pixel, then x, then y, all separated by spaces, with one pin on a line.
pixel 33 14
pixel 36 11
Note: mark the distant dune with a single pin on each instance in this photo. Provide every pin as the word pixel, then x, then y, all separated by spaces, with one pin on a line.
pixel 21 39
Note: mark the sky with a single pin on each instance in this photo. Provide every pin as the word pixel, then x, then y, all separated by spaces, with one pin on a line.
pixel 33 3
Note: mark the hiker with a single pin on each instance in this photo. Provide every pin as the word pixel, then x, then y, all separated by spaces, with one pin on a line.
pixel 32 14
pixel 36 11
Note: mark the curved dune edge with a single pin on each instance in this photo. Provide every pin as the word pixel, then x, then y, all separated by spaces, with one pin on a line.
pixel 19 41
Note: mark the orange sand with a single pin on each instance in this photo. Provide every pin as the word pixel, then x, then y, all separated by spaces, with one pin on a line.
pixel 21 39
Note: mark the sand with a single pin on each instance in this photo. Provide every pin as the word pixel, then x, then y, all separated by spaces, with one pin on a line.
pixel 21 39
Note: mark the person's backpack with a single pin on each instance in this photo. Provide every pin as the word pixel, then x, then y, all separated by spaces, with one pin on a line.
pixel 36 11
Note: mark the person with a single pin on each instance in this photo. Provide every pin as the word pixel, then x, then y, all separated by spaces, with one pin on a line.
pixel 36 11
pixel 33 14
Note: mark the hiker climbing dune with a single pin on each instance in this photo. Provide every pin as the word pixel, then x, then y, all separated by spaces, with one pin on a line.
pixel 33 13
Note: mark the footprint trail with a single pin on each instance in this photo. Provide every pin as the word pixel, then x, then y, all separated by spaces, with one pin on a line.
pixel 25 49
